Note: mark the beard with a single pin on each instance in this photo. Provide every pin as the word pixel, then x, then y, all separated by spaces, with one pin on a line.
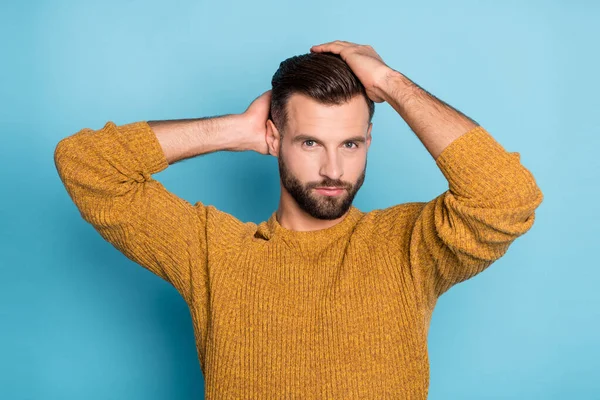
pixel 317 205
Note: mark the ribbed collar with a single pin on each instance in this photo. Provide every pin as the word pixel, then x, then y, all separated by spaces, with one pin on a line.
pixel 273 229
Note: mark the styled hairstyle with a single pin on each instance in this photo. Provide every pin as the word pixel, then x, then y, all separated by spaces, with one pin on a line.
pixel 325 77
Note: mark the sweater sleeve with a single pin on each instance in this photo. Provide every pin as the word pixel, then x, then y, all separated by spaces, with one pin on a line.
pixel 490 202
pixel 107 173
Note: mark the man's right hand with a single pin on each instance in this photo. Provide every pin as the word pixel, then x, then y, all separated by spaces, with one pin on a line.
pixel 184 138
pixel 255 118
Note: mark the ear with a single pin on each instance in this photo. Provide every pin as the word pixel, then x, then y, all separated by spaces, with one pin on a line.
pixel 273 137
pixel 369 135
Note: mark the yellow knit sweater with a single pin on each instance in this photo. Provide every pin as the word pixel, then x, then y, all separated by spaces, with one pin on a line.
pixel 339 313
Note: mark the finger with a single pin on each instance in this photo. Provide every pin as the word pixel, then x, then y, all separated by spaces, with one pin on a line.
pixel 266 94
pixel 333 47
pixel 343 43
pixel 347 43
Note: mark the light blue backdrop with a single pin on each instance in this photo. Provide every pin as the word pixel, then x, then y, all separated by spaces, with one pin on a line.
pixel 81 321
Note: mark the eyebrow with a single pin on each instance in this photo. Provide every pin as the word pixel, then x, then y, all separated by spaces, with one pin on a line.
pixel 303 137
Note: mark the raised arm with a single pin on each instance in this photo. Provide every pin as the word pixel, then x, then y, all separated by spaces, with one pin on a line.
pixel 491 197
pixel 108 175
pixel 490 202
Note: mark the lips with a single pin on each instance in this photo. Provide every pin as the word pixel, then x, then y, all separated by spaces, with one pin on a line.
pixel 330 191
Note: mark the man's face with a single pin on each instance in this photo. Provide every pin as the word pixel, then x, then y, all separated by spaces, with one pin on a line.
pixel 324 146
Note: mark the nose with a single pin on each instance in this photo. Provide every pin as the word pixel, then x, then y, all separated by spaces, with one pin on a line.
pixel 332 165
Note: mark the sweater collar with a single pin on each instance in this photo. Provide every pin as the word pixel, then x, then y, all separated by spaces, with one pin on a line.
pixel 272 228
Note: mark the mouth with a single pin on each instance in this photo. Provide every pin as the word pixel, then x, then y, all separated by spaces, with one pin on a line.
pixel 330 191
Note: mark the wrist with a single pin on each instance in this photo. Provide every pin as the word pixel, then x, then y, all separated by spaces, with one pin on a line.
pixel 236 126
pixel 219 133
pixel 393 86
pixel 252 132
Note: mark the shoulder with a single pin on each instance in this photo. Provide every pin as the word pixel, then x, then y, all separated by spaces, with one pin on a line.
pixel 392 222
pixel 391 216
pixel 224 223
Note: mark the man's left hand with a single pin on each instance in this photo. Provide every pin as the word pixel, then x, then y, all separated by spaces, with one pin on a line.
pixel 366 64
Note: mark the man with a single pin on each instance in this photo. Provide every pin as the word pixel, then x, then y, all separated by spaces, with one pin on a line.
pixel 322 301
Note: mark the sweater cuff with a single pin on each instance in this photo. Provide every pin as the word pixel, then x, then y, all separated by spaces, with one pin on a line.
pixel 143 143
pixel 477 166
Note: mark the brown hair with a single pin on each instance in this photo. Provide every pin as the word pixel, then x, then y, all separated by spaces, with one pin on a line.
pixel 324 77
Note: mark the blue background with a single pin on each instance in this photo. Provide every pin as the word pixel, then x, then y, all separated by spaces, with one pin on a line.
pixel 80 320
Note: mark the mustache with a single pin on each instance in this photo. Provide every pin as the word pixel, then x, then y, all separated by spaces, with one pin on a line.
pixel 336 184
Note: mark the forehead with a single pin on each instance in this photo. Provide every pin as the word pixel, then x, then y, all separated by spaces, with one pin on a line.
pixel 306 115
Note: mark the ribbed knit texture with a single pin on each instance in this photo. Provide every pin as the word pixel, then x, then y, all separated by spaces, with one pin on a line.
pixel 339 313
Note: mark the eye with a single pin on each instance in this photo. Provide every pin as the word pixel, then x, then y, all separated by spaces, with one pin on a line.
pixel 306 141
pixel 351 144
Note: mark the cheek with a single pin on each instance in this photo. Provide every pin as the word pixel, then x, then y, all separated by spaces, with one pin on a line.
pixel 305 165
pixel 354 165
pixel 360 166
